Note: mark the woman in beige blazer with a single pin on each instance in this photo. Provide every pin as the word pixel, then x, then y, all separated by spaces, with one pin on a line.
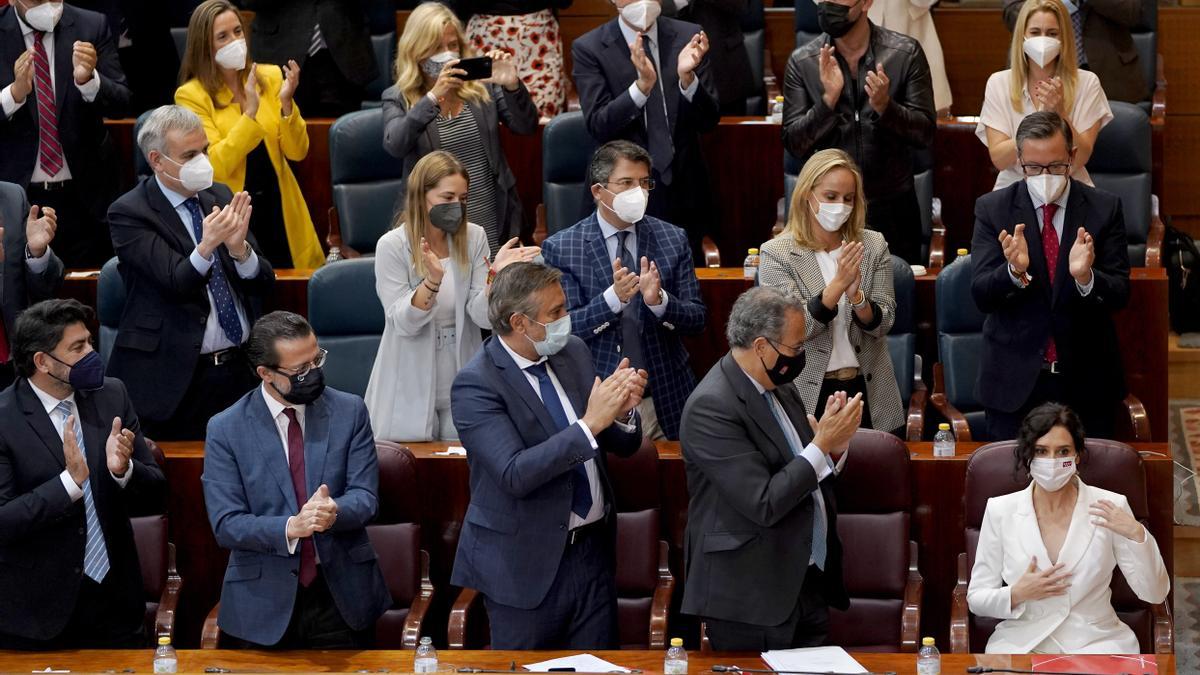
pixel 843 273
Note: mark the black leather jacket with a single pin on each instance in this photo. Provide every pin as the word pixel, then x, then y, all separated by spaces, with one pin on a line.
pixel 882 145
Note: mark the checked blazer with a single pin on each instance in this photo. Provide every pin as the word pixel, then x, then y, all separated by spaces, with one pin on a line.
pixel 580 253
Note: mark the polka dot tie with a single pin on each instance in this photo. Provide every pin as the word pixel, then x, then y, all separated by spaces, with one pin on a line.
pixel 227 314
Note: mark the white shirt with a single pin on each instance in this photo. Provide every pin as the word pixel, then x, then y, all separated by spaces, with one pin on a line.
pixel 639 99
pixel 1058 221
pixel 444 300
pixel 214 336
pixel 281 427
pixel 610 232
pixel 88 90
pixel 843 355
pixel 74 491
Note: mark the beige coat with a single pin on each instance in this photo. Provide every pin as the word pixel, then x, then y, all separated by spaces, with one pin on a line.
pixel 912 18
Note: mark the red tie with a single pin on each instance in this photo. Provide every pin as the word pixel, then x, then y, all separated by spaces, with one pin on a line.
pixel 3 342
pixel 1050 248
pixel 308 553
pixel 51 159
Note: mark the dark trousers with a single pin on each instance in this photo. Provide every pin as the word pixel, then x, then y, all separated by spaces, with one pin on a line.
pixel 316 623
pixel 324 91
pixel 807 626
pixel 578 612
pixel 213 389
pixel 898 219
pixel 82 239
pixel 1097 416
pixel 856 386
pixel 92 624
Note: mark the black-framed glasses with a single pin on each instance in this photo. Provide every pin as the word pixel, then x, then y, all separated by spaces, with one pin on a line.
pixel 1056 169
pixel 796 349
pixel 628 183
pixel 302 371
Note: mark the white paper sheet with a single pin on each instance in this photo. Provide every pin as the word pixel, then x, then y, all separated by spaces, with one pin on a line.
pixel 582 663
pixel 813 659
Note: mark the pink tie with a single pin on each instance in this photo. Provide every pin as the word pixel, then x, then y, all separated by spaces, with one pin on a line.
pixel 1050 248
pixel 48 146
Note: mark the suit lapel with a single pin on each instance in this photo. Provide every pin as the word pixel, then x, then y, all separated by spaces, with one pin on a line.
pixel 1029 532
pixel 810 270
pixel 1080 531
pixel 757 406
pixel 64 45
pixel 616 53
pixel 39 421
pixel 596 244
pixel 271 448
pixel 316 444
pixel 172 223
pixel 516 381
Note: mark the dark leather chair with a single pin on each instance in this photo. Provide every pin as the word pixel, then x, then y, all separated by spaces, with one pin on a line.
pixel 806 26
pixel 399 488
pixel 1110 465
pixel 636 479
pixel 110 303
pixel 754 37
pixel 1145 41
pixel 161 582
pixel 141 167
pixel 902 347
pixel 384 46
pixel 644 581
pixel 347 318
pixel 566 151
pixel 1121 164
pixel 366 180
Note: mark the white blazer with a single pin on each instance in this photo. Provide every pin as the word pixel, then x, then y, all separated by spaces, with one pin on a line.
pixel 400 396
pixel 912 18
pixel 1083 620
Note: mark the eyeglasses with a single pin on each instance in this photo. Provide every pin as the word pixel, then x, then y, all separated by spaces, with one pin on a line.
pixel 302 371
pixel 796 349
pixel 627 183
pixel 1056 169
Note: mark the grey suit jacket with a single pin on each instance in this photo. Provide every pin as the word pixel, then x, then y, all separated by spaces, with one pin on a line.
pixel 19 287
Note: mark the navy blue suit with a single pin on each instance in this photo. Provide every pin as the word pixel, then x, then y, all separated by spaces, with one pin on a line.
pixel 581 254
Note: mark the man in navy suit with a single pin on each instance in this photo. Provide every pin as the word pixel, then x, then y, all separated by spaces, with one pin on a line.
pixel 645 79
pixel 29 270
pixel 1050 267
pixel 630 285
pixel 290 481
pixel 60 76
pixel 539 535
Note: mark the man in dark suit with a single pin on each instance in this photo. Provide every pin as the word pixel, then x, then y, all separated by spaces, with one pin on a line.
pixel 764 562
pixel 73 468
pixel 722 23
pixel 630 285
pixel 194 282
pixel 329 38
pixel 1049 267
pixel 539 536
pixel 291 481
pixel 148 57
pixel 646 79
pixel 59 77
pixel 29 270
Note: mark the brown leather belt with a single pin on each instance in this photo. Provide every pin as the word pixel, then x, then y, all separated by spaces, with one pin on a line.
pixel 842 374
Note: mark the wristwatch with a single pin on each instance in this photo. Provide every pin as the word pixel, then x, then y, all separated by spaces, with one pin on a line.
pixel 1022 277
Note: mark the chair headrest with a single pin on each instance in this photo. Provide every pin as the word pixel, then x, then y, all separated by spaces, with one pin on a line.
pixel 110 294
pixel 342 299
pixel 905 288
pixel 875 478
pixel 1123 145
pixel 356 151
pixel 398 485
pixel 956 310
pixel 566 149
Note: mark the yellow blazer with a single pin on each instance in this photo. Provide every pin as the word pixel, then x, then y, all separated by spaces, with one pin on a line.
pixel 232 136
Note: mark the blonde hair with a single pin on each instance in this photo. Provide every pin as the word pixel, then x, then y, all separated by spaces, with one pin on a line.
pixel 1068 66
pixel 414 217
pixel 422 37
pixel 199 57
pixel 801 221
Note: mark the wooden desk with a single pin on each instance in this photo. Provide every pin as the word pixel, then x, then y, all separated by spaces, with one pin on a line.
pixel 648 662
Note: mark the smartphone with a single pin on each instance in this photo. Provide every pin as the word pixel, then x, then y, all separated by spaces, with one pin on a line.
pixel 478 68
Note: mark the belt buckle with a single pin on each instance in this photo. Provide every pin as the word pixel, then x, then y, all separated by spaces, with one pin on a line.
pixel 216 357
pixel 1054 368
pixel 573 536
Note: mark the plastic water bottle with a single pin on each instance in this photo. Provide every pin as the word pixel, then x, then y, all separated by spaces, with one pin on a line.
pixel 777 110
pixel 426 659
pixel 164 656
pixel 961 252
pixel 943 442
pixel 676 661
pixel 750 267
pixel 929 659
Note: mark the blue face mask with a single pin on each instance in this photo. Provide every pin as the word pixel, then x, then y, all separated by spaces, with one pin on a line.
pixel 87 374
pixel 557 334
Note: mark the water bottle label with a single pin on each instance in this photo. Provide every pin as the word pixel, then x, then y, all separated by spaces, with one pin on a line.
pixel 164 665
pixel 929 668
pixel 425 666
pixel 675 668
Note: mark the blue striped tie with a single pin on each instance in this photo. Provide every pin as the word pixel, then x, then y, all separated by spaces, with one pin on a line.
pixel 818 542
pixel 581 497
pixel 95 555
pixel 227 315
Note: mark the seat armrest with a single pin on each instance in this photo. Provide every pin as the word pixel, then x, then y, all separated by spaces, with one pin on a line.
pixel 1154 238
pixel 958 421
pixel 164 618
pixel 712 255
pixel 1164 629
pixel 210 635
pixel 937 237
pixel 456 630
pixel 910 620
pixel 539 229
pixel 960 614
pixel 915 425
pixel 660 608
pixel 1139 421
pixel 420 605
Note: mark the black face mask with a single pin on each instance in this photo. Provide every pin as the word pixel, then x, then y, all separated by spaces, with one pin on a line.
pixel 835 19
pixel 787 368
pixel 304 391
pixel 447 217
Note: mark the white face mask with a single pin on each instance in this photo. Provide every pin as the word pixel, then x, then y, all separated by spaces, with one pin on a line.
pixel 232 55
pixel 433 65
pixel 196 174
pixel 44 17
pixel 1041 49
pixel 630 205
pixel 1046 187
pixel 558 332
pixel 641 14
pixel 832 215
pixel 1052 473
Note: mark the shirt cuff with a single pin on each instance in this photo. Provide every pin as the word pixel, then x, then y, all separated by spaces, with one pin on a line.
pixel 1015 279
pixel 39 264
pixel 588 432
pixel 8 103
pixel 202 266
pixel 90 88
pixel 73 490
pixel 1086 289
pixel 660 310
pixel 614 303
pixel 248 269
pixel 691 89
pixel 291 543
pixel 628 427
pixel 639 99
pixel 122 481
pixel 818 460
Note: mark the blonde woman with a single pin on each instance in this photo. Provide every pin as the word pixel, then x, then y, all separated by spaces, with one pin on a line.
pixel 431 108
pixel 254 128
pixel 843 273
pixel 431 274
pixel 1044 77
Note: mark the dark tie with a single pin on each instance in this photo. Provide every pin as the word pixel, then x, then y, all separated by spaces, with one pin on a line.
pixel 819 543
pixel 1050 248
pixel 3 342
pixel 308 553
pixel 631 329
pixel 581 498
pixel 658 127
pixel 227 314
pixel 1077 27
pixel 51 160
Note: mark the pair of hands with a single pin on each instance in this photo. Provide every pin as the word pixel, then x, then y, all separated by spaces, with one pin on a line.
pixel 832 81
pixel 614 397
pixel 1081 258
pixel 841 419
pixel 626 284
pixel 1048 95
pixel 504 73
pixel 83 68
pixel 227 226
pixel 510 252
pixel 39 231
pixel 690 58
pixel 317 515
pixel 287 91
pixel 118 450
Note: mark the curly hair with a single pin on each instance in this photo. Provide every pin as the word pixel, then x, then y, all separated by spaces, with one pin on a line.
pixel 1038 423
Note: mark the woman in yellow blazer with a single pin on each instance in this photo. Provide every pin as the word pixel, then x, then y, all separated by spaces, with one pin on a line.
pixel 253 128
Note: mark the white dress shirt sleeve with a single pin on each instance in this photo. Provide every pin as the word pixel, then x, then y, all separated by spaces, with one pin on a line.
pixel 818 460
pixel 660 309
pixel 91 88
pixel 248 268
pixel 639 99
pixel 73 490
pixel 588 432
pixel 690 91
pixel 614 303
pixel 202 266
pixel 39 264
pixel 122 481
pixel 11 106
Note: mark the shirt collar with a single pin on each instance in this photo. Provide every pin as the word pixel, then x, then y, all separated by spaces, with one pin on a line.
pixel 758 386
pixel 521 361
pixel 607 228
pixel 50 402
pixel 1061 201
pixel 172 196
pixel 26 29
pixel 629 34
pixel 276 408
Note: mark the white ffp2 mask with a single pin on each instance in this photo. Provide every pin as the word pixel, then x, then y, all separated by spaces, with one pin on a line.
pixel 232 55
pixel 1052 473
pixel 1042 49
pixel 641 14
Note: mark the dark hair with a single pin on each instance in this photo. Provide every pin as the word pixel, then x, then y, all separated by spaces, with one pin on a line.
pixel 272 328
pixel 512 292
pixel 604 160
pixel 40 328
pixel 1041 125
pixel 759 312
pixel 1038 423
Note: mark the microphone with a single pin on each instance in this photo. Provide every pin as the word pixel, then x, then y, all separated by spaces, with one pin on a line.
pixel 986 669
pixel 768 671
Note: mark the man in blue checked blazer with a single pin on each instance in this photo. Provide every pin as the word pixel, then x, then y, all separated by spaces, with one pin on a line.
pixel 631 288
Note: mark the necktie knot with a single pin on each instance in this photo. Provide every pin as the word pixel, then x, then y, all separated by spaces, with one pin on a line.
pixel 1048 213
pixel 538 370
pixel 290 413
pixel 64 408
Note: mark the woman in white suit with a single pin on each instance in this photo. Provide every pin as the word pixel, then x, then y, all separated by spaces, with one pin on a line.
pixel 434 297
pixel 1046 554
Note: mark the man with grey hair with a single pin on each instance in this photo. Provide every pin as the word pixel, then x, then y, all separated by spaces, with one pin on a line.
pixel 539 536
pixel 194 282
pixel 1050 267
pixel 763 559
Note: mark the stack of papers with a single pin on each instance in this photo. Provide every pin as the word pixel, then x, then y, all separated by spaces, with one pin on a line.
pixel 813 660
pixel 580 663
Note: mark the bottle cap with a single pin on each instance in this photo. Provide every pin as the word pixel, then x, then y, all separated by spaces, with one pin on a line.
pixel 753 251
pixel 164 640
pixel 779 99
pixel 426 640
pixel 962 251
pixel 928 642
pixel 676 642
pixel 943 427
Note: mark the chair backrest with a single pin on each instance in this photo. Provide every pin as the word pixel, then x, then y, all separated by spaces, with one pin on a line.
pixel 806 26
pixel 150 538
pixel 635 479
pixel 1120 164
pixel 754 37
pixel 398 547
pixel 874 497
pixel 637 575
pixel 141 166
pixel 960 339
pixel 902 339
pixel 347 318
pixel 567 149
pixel 384 46
pixel 923 186
pixel 110 303
pixel 399 489
pixel 1145 41
pixel 366 179
pixel 179 35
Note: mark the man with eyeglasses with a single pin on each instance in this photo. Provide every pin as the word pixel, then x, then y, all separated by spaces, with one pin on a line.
pixel 291 481
pixel 631 288
pixel 1050 267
